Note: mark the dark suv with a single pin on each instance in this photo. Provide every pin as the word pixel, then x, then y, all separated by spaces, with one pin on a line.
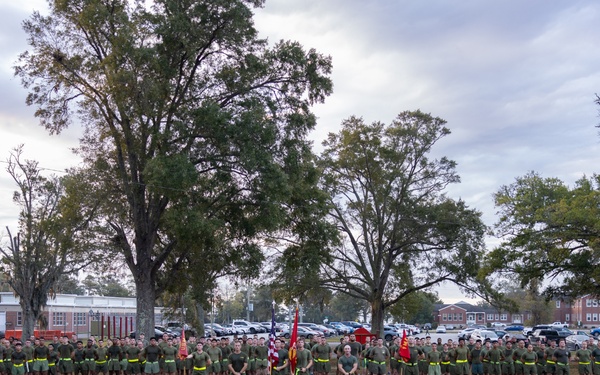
pixel 547 335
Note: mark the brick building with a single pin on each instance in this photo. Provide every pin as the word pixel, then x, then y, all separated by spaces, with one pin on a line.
pixel 584 311
pixel 463 314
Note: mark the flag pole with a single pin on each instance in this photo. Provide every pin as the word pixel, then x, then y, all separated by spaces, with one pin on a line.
pixel 270 333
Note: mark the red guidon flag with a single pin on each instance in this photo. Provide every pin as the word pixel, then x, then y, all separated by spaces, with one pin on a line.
pixel 403 351
pixel 293 342
pixel 183 352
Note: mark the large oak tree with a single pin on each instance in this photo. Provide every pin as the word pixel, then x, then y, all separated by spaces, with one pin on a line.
pixel 550 235
pixel 400 233
pixel 195 128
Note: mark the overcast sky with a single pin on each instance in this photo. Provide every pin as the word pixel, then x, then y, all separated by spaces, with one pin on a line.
pixel 516 81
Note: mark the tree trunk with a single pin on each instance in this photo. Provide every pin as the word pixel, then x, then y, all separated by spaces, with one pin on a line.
pixel 377 313
pixel 146 298
pixel 200 317
pixel 29 318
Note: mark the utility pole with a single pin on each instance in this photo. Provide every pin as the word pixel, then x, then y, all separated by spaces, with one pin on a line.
pixel 249 306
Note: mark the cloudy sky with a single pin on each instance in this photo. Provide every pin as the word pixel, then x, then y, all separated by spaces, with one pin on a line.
pixel 516 81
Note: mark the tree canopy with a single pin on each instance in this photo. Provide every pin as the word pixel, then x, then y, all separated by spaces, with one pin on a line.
pixel 550 235
pixel 52 239
pixel 195 127
pixel 399 232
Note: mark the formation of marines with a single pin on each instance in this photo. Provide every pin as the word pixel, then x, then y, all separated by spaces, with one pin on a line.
pixel 249 356
pixel 461 358
pixel 127 356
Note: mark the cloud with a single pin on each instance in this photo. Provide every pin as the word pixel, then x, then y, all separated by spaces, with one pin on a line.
pixel 514 79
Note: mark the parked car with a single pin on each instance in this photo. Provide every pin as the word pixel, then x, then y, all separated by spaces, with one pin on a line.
pixel 334 329
pixel 235 330
pixel 415 330
pixel 547 335
pixel 403 327
pixel 317 328
pixel 342 328
pixel 249 327
pixel 516 336
pixel 595 332
pixel 389 332
pixel 465 333
pixel 304 332
pixel 574 341
pixel 582 333
pixel 559 324
pixel 500 333
pixel 528 332
pixel 166 330
pixel 158 334
pixel 450 327
pixel 514 327
pixel 498 325
pixel 217 329
pixel 352 324
pixel 267 325
pixel 440 329
pixel 483 334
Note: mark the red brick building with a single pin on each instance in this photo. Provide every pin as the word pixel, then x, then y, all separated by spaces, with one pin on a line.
pixel 584 311
pixel 463 314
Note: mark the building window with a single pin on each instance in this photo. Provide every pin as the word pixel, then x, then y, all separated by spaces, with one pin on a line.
pixel 58 318
pixel 503 317
pixel 19 318
pixel 444 317
pixel 595 317
pixel 588 303
pixel 558 304
pixel 460 318
pixel 80 319
pixel 490 317
pixel 588 317
pixel 594 303
pixel 567 317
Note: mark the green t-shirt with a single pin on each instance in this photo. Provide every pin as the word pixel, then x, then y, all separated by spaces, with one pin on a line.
pixel 200 359
pixel 169 353
pixel 133 352
pixel 379 354
pixel 476 355
pixel 584 355
pixel 237 361
pixel 529 357
pixel 347 362
pixel 355 347
pixel 303 358
pixel 433 357
pixel 101 353
pixel 215 354
pixel 261 352
pixel 461 354
pixel 65 350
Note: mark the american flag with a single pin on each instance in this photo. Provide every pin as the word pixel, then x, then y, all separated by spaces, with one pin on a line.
pixel 273 355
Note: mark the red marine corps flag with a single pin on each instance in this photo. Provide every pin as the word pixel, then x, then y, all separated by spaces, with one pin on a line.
pixel 183 352
pixel 403 351
pixel 293 343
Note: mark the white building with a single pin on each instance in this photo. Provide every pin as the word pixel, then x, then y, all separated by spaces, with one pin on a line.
pixel 83 315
